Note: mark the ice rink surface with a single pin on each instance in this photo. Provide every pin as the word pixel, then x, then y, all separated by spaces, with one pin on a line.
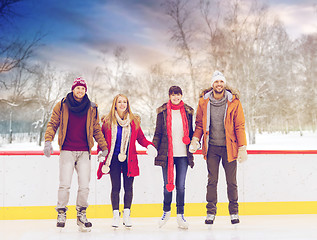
pixel 301 227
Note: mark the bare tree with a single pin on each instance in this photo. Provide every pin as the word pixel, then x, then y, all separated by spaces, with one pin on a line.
pixel 49 88
pixel 7 9
pixel 306 81
pixel 13 49
pixel 182 33
pixel 15 52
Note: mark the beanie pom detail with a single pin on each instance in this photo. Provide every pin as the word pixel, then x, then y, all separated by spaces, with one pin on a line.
pixel 79 82
pixel 186 140
pixel 170 187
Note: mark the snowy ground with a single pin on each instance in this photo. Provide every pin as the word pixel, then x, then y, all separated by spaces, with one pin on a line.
pixel 265 141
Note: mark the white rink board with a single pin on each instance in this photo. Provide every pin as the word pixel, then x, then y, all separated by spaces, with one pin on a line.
pixel 33 181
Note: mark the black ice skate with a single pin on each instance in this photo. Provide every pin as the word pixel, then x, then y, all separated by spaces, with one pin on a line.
pixel 234 218
pixel 61 217
pixel 82 221
pixel 210 219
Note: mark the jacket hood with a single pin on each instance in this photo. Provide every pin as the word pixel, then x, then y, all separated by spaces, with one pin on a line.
pixel 232 93
pixel 164 107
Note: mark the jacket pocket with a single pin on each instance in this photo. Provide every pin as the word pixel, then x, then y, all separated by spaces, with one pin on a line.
pixel 234 148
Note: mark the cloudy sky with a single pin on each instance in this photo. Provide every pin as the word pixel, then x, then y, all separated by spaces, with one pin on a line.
pixel 77 30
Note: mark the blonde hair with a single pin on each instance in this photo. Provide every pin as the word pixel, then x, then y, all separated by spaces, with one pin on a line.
pixel 111 118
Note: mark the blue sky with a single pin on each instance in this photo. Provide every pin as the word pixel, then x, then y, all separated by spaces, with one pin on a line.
pixel 76 30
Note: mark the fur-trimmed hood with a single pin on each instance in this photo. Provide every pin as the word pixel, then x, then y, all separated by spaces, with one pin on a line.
pixel 188 109
pixel 235 92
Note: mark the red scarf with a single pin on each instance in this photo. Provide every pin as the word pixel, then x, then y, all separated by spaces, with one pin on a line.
pixel 186 140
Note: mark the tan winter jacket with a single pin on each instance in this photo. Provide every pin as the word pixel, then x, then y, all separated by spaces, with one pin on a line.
pixel 59 119
pixel 234 124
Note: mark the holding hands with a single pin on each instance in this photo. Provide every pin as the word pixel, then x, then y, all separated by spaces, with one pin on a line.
pixel 102 155
pixel 194 145
pixel 151 151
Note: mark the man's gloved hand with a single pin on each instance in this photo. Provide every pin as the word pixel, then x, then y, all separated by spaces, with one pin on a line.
pixel 102 155
pixel 151 151
pixel 48 149
pixel 242 154
pixel 194 145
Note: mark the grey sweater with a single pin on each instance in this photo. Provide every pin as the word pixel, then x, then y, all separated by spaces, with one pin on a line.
pixel 217 114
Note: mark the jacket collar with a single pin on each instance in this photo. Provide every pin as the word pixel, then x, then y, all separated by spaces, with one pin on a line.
pixel 162 108
pixel 229 94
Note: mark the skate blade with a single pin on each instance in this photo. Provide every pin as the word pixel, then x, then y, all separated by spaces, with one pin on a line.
pixel 183 227
pixel 60 229
pixel 83 229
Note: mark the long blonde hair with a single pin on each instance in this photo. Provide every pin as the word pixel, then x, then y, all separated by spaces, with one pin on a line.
pixel 111 118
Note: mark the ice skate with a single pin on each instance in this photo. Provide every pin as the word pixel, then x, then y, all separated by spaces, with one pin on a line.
pixel 82 221
pixel 126 218
pixel 181 221
pixel 210 219
pixel 164 218
pixel 116 218
pixel 234 218
pixel 61 217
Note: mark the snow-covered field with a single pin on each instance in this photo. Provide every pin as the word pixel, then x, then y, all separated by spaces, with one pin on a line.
pixel 264 141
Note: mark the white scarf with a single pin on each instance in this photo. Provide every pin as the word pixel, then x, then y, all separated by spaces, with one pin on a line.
pixel 126 130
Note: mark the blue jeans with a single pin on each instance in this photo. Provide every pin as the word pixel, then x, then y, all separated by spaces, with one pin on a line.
pixel 181 166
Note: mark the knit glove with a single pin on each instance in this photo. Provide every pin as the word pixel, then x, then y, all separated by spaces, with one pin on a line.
pixel 48 149
pixel 194 145
pixel 242 154
pixel 151 151
pixel 102 155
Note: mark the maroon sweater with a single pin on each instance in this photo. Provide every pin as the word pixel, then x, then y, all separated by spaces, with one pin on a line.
pixel 76 134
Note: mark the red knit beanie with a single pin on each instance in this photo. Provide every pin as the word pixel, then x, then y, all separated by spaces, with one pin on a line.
pixel 79 82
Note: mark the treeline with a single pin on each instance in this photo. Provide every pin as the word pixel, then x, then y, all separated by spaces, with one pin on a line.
pixel 276 75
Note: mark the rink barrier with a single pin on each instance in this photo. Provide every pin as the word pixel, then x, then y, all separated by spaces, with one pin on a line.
pixel 154 209
pixel 40 153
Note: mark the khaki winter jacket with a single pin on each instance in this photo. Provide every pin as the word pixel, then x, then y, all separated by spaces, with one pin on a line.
pixel 234 124
pixel 59 119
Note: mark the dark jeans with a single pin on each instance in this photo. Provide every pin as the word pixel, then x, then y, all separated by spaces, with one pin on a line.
pixel 181 166
pixel 215 154
pixel 116 167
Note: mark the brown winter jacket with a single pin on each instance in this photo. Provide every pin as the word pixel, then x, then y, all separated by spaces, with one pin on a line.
pixel 234 124
pixel 160 139
pixel 59 119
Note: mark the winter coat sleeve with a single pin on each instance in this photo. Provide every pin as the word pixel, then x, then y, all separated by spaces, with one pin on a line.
pixel 54 123
pixel 141 138
pixel 98 135
pixel 158 131
pixel 199 121
pixel 239 126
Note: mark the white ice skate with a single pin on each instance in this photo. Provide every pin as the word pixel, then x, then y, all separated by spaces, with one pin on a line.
pixel 126 218
pixel 164 218
pixel 181 221
pixel 116 218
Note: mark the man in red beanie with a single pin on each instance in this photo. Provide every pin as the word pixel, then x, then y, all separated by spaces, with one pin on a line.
pixel 78 120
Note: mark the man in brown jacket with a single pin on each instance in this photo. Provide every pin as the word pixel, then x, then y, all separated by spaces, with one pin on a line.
pixel 220 121
pixel 78 122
